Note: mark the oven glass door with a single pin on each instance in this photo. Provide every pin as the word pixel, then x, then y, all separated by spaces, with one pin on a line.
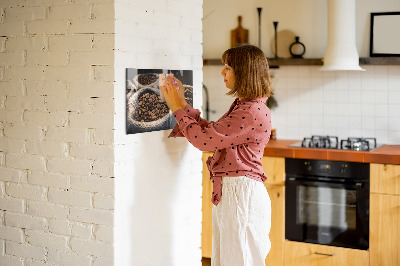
pixel 327 213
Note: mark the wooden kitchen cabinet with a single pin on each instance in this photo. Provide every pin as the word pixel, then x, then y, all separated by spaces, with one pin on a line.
pixel 385 178
pixel 384 237
pixel 274 168
pixel 206 225
pixel 305 254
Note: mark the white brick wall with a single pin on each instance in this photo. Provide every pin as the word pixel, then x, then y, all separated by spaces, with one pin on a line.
pixel 153 174
pixel 56 132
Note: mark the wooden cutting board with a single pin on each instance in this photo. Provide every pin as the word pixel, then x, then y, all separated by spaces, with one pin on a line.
pixel 239 35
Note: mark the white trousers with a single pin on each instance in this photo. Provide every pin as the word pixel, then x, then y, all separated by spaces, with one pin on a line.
pixel 241 223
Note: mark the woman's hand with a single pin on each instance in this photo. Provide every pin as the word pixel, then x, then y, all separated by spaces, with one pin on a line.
pixel 174 93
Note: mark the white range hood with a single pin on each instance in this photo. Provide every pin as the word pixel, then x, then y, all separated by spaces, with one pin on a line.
pixel 341 51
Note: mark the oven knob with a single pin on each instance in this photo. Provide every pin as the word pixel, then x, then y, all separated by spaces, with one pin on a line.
pixel 343 168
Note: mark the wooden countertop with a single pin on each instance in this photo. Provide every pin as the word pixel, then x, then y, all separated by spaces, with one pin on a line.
pixel 389 154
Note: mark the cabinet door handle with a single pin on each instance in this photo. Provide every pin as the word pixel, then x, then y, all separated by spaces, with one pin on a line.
pixel 324 254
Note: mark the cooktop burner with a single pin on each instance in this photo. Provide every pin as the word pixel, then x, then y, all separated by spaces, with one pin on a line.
pixel 332 142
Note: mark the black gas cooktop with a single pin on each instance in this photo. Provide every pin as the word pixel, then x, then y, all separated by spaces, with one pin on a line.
pixel 332 142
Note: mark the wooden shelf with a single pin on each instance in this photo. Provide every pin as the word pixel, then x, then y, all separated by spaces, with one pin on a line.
pixel 274 63
pixel 380 61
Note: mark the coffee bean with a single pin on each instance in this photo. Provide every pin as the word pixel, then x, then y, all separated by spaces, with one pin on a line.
pixel 150 108
pixel 147 79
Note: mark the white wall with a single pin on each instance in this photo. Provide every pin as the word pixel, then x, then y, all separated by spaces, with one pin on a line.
pixel 56 132
pixel 158 180
pixel 344 103
pixel 305 18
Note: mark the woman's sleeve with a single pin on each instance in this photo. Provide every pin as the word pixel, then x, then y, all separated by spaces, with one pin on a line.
pixel 229 131
pixel 193 113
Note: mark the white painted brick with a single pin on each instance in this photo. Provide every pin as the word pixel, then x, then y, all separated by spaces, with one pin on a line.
pixel 46 2
pixel 103 11
pixel 104 169
pixel 103 41
pixel 70 166
pixel 2 158
pixel 91 26
pixel 70 12
pixel 56 103
pixel 100 1
pixel 24 73
pixel 32 262
pixel 105 233
pixel 3 44
pixel 93 184
pixel 12 117
pixel 46 118
pixel 24 13
pixel 44 27
pixel 11 233
pixel 142 45
pixel 92 151
pixel 25 103
pixel 25 191
pixel 97 57
pixel 12 145
pixel 71 43
pixel 95 216
pixel 91 247
pixel 48 179
pixel 25 161
pixel 24 132
pixel 69 197
pixel 46 209
pixel 99 120
pixel 74 135
pixel 60 227
pixel 46 88
pixel 46 58
pixel 103 202
pixel 68 258
pixel 97 105
pixel 21 43
pixel 11 88
pixel 12 204
pixel 82 230
pixel 11 59
pixel 25 250
pixel 105 260
pixel 81 73
pixel 25 221
pixel 104 73
pixel 46 148
pixel 11 260
pixel 91 89
pixel 193 49
pixel 47 240
pixel 12 28
pixel 102 136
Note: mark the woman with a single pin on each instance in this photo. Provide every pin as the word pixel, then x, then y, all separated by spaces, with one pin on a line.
pixel 242 208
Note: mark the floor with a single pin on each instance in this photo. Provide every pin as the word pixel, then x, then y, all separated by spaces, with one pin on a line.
pixel 206 261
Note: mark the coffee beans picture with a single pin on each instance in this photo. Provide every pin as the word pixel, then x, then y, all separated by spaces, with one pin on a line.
pixel 145 109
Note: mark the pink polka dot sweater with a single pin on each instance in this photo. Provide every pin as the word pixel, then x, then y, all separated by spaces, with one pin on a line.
pixel 238 139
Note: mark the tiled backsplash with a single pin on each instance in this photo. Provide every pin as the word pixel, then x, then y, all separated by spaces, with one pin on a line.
pixel 313 102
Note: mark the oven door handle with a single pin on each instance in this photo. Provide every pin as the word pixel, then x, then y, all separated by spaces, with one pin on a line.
pixel 357 185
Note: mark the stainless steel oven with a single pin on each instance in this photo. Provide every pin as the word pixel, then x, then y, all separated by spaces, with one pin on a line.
pixel 327 202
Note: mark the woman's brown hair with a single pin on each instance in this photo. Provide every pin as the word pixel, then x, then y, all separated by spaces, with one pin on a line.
pixel 250 66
